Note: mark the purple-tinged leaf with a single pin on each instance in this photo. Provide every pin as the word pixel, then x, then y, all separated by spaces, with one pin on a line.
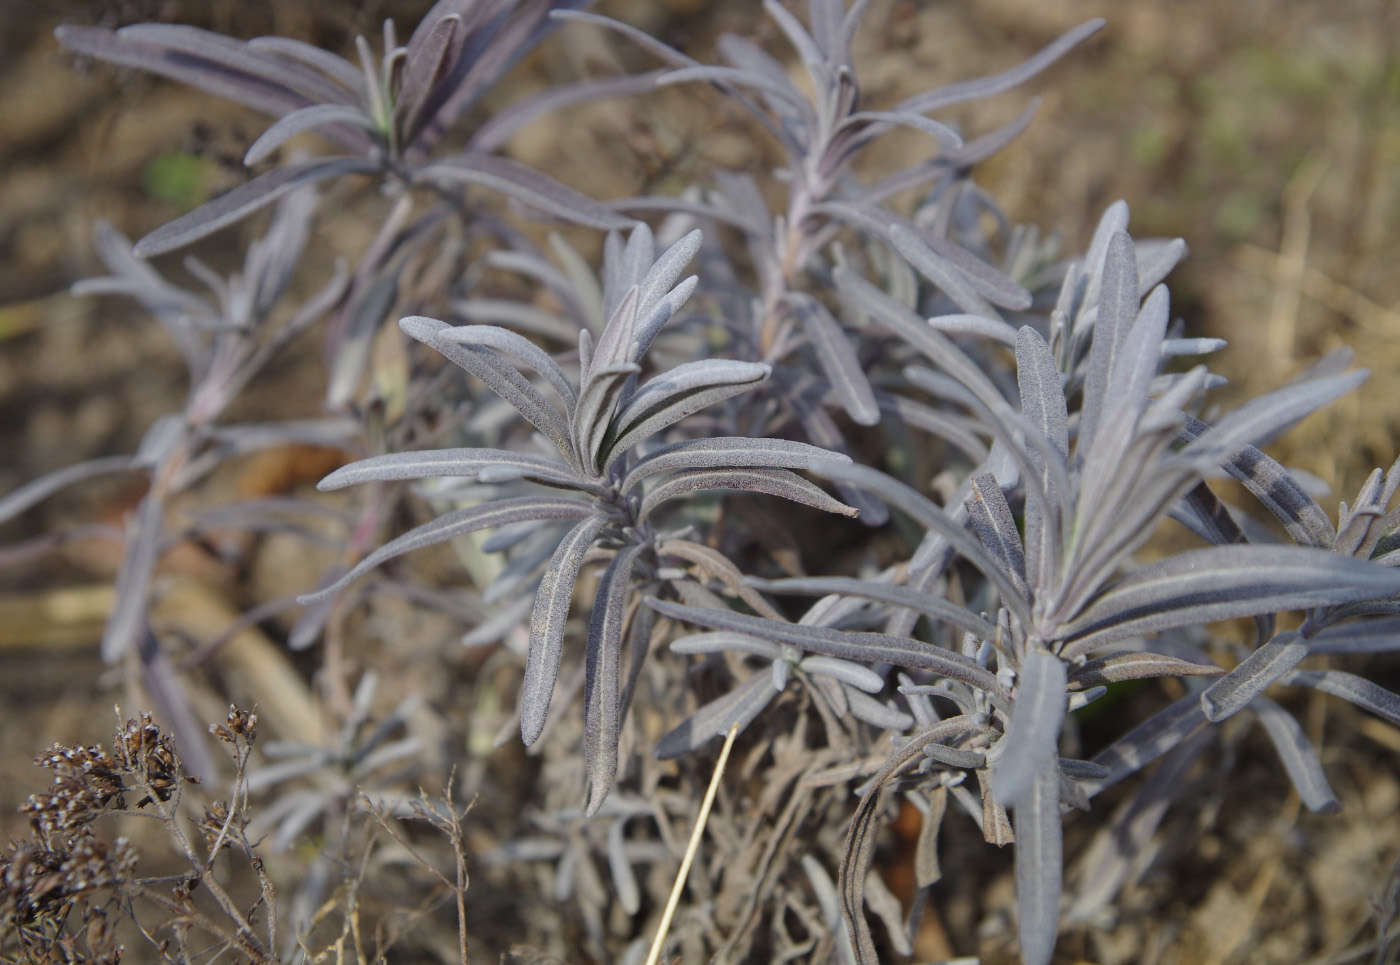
pixel 661 277
pixel 674 397
pixel 500 377
pixel 1149 740
pixel 602 393
pixel 244 200
pixel 493 135
pixel 775 482
pixel 1298 757
pixel 838 359
pixel 875 712
pixel 428 61
pixel 1117 310
pixel 1307 522
pixel 603 676
pixel 458 523
pixel 127 621
pixel 1224 583
pixel 444 462
pixel 1259 421
pixel 926 868
pixel 718 641
pixel 948 163
pixel 715 565
pixel 930 605
pixel 527 185
pixel 858 676
pixel 727 452
pixel 20 499
pixel 245 86
pixel 995 526
pixel 614 345
pixel 547 620
pixel 302 120
pixel 1155 260
pixel 944 134
pixel 860 839
pixel 1135 665
pixel 333 66
pixel 740 706
pixel 182 46
pixel 940 271
pixel 1174 347
pixel 1348 686
pixel 1234 691
pixel 1039 865
pixel 930 516
pixel 862 647
pixel 967 90
pixel 952 427
pixel 1037 712
pixel 993 328
pixel 1362 636
pixel 1014 431
pixel 520 349
pixel 782 92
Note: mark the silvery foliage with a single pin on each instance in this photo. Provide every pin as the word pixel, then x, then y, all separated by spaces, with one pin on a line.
pixel 816 362
pixel 226 338
pixel 1066 602
pixel 388 116
pixel 597 427
pixel 1060 467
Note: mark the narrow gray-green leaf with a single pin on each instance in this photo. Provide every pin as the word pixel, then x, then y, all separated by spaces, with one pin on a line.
pixel 674 409
pixel 1223 583
pixel 1271 484
pixel 929 515
pixel 603 677
pixel 775 482
pixel 1362 636
pixel 1039 865
pixel 457 523
pixel 1149 740
pixel 940 271
pixel 133 590
pixel 1358 690
pixel 302 120
pixel 874 712
pixel 515 180
pixel 498 375
pixel 718 641
pixel 1298 757
pixel 928 604
pixel 926 868
pixel 1135 665
pixel 858 676
pixel 244 200
pixel 1037 713
pixel 862 647
pixel 1117 310
pixel 727 452
pixel 18 500
pixel 1233 692
pixel 466 463
pixel 740 706
pixel 838 360
pixel 547 620
pixel 996 527
pixel 519 348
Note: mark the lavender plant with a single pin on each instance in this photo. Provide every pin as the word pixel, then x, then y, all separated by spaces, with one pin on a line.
pixel 1022 423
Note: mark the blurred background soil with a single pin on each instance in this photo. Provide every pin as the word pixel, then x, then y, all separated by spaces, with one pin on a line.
pixel 1266 133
